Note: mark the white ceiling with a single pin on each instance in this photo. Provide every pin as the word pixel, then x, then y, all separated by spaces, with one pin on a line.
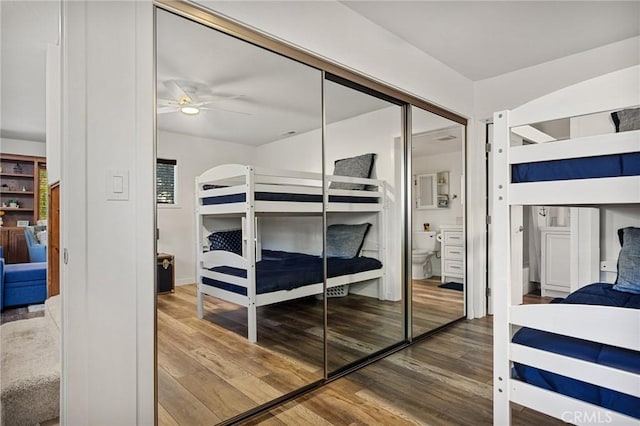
pixel 276 95
pixel 477 39
pixel 483 39
pixel 27 27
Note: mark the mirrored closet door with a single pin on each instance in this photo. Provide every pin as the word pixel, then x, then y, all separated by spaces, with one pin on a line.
pixel 282 223
pixel 437 211
pixel 363 158
pixel 239 175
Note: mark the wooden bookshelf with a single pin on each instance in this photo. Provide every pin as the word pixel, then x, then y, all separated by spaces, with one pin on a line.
pixel 20 183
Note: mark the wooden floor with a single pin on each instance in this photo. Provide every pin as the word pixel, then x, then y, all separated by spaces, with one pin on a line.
pixel 208 372
pixel 434 306
pixel 444 380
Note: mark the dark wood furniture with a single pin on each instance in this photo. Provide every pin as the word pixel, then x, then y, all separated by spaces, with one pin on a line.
pixel 14 244
pixel 23 183
pixel 53 238
pixel 165 276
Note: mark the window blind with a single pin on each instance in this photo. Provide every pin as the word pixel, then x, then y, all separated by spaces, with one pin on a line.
pixel 166 181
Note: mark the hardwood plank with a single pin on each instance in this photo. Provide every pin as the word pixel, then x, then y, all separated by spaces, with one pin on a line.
pixel 181 404
pixel 443 380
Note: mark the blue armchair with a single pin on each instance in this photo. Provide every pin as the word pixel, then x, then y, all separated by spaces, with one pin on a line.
pixel 22 283
pixel 37 251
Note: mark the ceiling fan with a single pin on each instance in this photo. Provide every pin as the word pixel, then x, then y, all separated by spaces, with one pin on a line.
pixel 190 98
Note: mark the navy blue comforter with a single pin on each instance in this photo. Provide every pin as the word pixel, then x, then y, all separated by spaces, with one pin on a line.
pixel 279 270
pixel 594 294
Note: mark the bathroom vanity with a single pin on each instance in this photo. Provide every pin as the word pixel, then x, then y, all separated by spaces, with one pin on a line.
pixel 452 253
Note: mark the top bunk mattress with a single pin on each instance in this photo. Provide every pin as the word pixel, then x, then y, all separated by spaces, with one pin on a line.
pixel 594 294
pixel 279 270
pixel 578 168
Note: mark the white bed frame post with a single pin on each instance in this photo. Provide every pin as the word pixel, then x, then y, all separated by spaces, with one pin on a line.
pixel 199 224
pixel 384 292
pixel 501 272
pixel 250 223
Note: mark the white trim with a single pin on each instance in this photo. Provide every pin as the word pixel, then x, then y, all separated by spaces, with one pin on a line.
pixel 601 375
pixel 595 322
pixel 591 146
pixel 615 90
pixel 564 407
pixel 614 190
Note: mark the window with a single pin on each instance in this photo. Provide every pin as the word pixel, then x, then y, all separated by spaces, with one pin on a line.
pixel 166 181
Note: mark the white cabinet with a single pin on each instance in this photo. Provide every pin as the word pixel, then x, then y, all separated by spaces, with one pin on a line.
pixel 432 190
pixel 555 276
pixel 452 259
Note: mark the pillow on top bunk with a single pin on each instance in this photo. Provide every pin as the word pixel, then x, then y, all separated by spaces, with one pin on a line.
pixel 227 241
pixel 626 119
pixel 346 240
pixel 629 261
pixel 360 166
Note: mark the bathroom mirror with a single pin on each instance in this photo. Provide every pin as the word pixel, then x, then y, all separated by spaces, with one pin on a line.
pixel 364 228
pixel 235 125
pixel 437 221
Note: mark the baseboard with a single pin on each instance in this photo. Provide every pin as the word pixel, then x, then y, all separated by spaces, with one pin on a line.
pixel 185 281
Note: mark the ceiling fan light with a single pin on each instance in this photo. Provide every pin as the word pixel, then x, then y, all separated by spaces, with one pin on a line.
pixel 190 110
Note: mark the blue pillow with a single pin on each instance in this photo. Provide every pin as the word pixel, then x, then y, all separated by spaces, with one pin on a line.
pixel 629 261
pixel 345 241
pixel 227 241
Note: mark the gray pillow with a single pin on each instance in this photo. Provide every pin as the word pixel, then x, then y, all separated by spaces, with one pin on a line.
pixel 360 166
pixel 626 120
pixel 346 240
pixel 629 261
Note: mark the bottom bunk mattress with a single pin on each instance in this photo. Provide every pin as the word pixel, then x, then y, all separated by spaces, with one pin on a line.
pixel 279 270
pixel 624 359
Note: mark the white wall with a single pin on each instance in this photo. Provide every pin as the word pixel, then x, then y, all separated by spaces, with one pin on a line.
pixel 450 162
pixel 53 114
pixel 22 147
pixel 518 87
pixel 107 284
pixel 177 223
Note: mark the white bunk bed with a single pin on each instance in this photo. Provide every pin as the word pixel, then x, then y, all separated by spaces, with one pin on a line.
pixel 247 192
pixel 614 326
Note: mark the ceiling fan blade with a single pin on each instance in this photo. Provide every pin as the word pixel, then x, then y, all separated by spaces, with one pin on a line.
pixel 220 98
pixel 176 90
pixel 225 110
pixel 168 103
pixel 165 109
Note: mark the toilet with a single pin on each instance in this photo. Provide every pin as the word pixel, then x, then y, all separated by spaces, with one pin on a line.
pixel 424 246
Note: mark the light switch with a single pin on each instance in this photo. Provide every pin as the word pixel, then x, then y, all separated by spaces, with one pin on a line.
pixel 117 184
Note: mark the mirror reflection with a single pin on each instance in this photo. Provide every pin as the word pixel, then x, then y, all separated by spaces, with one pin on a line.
pixel 243 323
pixel 438 244
pixel 363 160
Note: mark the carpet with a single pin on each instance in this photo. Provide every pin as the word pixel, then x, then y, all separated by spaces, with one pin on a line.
pixel 452 286
pixel 30 369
